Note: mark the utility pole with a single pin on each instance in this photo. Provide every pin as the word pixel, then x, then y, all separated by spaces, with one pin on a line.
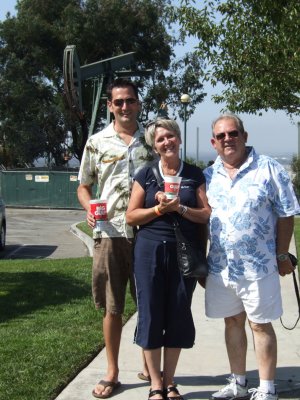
pixel 298 139
pixel 197 157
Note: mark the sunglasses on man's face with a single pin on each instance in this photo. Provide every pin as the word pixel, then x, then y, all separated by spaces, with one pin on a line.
pixel 231 134
pixel 128 102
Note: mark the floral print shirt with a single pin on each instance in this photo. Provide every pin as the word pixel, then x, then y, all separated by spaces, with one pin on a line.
pixel 244 214
pixel 111 164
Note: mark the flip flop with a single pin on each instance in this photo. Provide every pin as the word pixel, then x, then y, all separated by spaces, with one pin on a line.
pixel 147 378
pixel 144 377
pixel 105 384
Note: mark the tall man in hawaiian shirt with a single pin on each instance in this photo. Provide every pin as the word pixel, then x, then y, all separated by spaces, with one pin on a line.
pixel 251 225
pixel 110 159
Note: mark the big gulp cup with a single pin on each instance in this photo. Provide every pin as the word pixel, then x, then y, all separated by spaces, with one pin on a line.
pixel 172 185
pixel 98 208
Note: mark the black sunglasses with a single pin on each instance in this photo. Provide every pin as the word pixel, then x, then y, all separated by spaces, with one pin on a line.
pixel 120 102
pixel 231 134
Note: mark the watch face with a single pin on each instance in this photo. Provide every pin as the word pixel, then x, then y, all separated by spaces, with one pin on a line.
pixel 282 257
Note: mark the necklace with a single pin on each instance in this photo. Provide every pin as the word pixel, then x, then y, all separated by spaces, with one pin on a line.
pixel 125 135
pixel 177 172
pixel 232 172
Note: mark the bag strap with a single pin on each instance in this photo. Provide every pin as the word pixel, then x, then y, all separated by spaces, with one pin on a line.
pixel 294 263
pixel 158 177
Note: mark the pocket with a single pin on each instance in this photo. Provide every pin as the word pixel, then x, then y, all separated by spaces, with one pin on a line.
pixel 97 243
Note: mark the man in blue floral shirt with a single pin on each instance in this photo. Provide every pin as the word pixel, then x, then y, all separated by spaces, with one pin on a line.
pixel 253 206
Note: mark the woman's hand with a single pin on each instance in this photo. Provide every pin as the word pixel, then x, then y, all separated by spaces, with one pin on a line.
pixel 168 205
pixel 160 196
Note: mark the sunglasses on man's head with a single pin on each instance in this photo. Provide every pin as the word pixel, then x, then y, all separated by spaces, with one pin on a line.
pixel 222 135
pixel 120 102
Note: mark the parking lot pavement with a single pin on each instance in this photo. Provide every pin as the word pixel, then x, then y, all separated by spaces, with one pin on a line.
pixel 43 233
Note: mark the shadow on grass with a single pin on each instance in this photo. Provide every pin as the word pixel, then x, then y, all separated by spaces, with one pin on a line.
pixel 25 292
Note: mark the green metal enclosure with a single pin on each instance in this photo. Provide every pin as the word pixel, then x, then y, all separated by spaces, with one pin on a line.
pixel 49 189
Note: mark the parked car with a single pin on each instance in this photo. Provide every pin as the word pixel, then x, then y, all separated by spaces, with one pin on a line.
pixel 2 224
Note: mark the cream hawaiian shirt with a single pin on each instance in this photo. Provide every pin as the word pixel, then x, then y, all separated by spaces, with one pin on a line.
pixel 111 164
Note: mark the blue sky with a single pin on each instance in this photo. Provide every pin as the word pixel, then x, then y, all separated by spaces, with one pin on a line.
pixel 273 133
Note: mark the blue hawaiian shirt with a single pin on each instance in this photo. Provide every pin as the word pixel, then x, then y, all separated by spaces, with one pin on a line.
pixel 244 214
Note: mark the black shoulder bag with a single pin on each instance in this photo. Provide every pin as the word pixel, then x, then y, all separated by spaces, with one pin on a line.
pixel 294 263
pixel 190 257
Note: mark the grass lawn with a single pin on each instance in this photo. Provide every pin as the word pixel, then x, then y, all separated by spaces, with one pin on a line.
pixel 83 226
pixel 49 328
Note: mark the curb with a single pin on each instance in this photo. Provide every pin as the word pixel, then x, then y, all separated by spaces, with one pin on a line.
pixel 86 239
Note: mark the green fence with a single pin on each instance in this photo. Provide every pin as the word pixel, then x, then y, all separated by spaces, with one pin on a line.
pixel 49 189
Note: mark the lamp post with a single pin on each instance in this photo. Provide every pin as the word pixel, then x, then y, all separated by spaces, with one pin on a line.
pixel 185 100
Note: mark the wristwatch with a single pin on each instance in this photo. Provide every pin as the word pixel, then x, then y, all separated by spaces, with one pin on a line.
pixel 282 256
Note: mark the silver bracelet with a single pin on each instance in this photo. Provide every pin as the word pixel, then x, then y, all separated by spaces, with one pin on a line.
pixel 183 210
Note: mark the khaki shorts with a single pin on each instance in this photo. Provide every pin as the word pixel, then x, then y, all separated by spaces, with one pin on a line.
pixel 261 299
pixel 112 269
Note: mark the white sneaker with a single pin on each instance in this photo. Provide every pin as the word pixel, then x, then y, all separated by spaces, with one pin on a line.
pixel 232 391
pixel 258 395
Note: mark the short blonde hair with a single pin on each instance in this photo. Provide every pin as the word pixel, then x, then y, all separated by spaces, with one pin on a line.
pixel 166 123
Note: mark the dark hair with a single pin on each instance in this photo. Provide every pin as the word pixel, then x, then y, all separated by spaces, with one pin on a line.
pixel 121 83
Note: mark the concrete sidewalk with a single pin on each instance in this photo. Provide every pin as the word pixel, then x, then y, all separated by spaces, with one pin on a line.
pixel 201 370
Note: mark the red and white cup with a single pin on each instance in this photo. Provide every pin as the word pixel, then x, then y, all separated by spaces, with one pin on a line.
pixel 172 186
pixel 98 208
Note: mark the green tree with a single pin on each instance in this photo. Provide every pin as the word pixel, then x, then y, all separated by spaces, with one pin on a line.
pixel 251 47
pixel 295 166
pixel 33 114
pixel 200 164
